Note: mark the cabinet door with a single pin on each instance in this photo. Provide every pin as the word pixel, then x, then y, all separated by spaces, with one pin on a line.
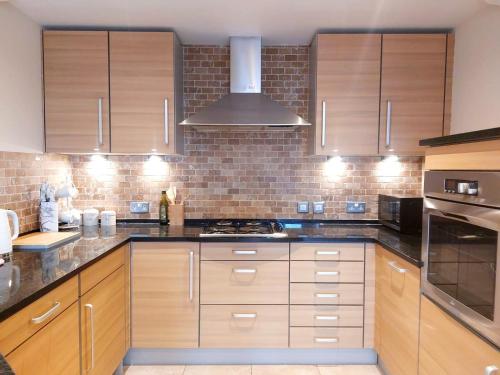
pixel 447 347
pixel 412 92
pixel 399 319
pixel 76 91
pixel 103 325
pixel 165 295
pixel 348 93
pixel 142 91
pixel 54 350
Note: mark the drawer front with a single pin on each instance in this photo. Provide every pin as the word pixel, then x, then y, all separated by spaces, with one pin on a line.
pixel 327 251
pixel 328 338
pixel 244 326
pixel 93 275
pixel 244 251
pixel 244 282
pixel 326 294
pixel 23 324
pixel 327 272
pixel 326 316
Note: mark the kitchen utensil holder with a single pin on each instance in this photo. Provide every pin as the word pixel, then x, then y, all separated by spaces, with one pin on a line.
pixel 176 214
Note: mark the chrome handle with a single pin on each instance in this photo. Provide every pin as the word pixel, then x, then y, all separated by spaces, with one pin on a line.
pixel 244 270
pixel 244 316
pixel 99 122
pixel 388 125
pixel 321 252
pixel 326 317
pixel 91 310
pixel 191 274
pixel 326 340
pixel 395 267
pixel 323 123
pixel 326 295
pixel 491 370
pixel 327 273
pixel 46 315
pixel 244 252
pixel 165 120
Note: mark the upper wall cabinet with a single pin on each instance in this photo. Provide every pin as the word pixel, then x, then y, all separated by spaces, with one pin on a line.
pixel 143 96
pixel 345 105
pixel 127 100
pixel 412 91
pixel 76 91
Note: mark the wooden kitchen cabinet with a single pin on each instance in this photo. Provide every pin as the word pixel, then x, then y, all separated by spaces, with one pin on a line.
pixel 447 347
pixel 54 350
pixel 345 75
pixel 143 70
pixel 412 91
pixel 397 311
pixel 103 324
pixel 76 84
pixel 165 295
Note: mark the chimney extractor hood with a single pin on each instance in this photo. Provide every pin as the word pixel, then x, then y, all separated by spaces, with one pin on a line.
pixel 245 107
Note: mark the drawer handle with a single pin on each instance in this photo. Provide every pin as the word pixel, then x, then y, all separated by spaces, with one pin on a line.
pixel 327 273
pixel 326 317
pixel 322 252
pixel 244 316
pixel 244 270
pixel 46 315
pixel 491 370
pixel 395 267
pixel 326 340
pixel 191 275
pixel 245 252
pixel 327 295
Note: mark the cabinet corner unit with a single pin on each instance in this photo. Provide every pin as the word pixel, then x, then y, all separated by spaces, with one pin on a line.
pixel 113 92
pixel 378 94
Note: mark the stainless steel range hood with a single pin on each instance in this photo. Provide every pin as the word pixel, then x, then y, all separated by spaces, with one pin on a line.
pixel 245 107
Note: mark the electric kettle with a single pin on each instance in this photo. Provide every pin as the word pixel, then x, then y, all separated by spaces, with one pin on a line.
pixel 6 236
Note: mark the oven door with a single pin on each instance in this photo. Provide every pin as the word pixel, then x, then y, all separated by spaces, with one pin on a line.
pixel 461 253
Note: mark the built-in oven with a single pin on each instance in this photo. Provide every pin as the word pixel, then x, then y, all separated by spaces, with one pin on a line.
pixel 461 247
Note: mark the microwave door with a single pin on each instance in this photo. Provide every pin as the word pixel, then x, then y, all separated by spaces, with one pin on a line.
pixel 461 253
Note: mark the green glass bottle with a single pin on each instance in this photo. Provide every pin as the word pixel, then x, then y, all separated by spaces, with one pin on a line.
pixel 163 208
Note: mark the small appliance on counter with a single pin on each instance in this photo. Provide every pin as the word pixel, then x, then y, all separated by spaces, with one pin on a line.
pixel 6 236
pixel 49 217
pixel 401 212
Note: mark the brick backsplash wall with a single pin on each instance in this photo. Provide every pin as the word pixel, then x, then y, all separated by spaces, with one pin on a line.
pixel 243 175
pixel 21 175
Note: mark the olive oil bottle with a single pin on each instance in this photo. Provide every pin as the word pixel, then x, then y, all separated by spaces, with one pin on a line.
pixel 163 208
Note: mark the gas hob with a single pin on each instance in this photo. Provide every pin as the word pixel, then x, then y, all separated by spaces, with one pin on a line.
pixel 244 228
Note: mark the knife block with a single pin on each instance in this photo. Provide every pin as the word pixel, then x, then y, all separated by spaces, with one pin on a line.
pixel 176 214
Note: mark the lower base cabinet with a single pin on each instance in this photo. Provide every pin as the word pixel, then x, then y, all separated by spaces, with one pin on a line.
pixel 449 348
pixel 54 350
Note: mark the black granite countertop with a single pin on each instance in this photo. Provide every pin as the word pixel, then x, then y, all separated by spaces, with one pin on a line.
pixel 475 136
pixel 31 274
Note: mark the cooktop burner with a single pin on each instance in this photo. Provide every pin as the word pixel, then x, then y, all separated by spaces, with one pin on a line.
pixel 244 228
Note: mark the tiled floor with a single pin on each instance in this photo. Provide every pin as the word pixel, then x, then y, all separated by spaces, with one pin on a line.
pixel 252 370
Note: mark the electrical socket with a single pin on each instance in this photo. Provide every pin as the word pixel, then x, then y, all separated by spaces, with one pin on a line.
pixel 356 207
pixel 139 207
pixel 303 207
pixel 319 207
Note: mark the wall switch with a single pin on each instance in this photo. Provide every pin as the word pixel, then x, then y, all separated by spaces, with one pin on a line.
pixel 319 207
pixel 303 207
pixel 139 207
pixel 356 207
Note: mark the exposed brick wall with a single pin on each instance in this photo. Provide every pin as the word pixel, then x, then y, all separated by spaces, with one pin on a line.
pixel 285 76
pixel 21 175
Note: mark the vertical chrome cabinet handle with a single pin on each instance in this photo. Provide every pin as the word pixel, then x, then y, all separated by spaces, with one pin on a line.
pixel 388 125
pixel 395 267
pixel 99 123
pixel 326 340
pixel 191 274
pixel 491 370
pixel 165 121
pixel 244 316
pixel 323 123
pixel 47 314
pixel 90 307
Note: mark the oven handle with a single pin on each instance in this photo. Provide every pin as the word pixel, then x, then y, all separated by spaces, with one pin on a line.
pixel 455 216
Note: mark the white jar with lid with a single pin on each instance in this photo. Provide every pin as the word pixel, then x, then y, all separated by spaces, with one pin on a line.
pixel 108 218
pixel 90 217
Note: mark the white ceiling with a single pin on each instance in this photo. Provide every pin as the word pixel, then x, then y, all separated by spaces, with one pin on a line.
pixel 278 21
